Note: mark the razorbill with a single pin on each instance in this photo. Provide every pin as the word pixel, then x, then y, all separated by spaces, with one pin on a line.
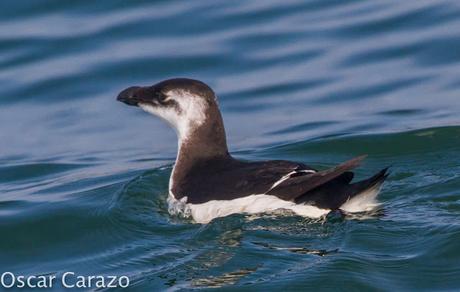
pixel 207 182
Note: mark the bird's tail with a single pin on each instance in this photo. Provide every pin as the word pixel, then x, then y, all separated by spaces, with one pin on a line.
pixel 363 194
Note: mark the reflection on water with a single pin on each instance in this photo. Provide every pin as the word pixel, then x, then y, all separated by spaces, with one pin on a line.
pixel 299 250
pixel 225 279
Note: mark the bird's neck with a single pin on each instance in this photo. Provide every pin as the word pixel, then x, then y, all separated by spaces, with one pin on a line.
pixel 203 143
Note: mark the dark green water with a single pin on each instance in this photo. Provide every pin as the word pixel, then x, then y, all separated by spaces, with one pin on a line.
pixel 83 179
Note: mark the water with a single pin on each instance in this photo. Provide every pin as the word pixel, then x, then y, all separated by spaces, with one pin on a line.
pixel 83 179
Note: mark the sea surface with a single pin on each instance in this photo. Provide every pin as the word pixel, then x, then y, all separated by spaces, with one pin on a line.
pixel 83 178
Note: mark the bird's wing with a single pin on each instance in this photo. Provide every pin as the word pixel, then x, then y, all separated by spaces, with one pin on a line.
pixel 296 186
pixel 232 179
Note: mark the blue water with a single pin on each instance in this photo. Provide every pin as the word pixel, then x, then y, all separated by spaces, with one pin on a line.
pixel 83 178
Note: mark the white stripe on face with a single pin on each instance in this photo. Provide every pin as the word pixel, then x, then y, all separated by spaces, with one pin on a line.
pixel 189 115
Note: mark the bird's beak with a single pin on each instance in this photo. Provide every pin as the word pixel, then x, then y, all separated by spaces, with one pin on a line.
pixel 131 95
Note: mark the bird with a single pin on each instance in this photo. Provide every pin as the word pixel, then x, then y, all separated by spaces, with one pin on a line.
pixel 207 182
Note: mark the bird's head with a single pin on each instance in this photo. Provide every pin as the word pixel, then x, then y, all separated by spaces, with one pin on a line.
pixel 185 104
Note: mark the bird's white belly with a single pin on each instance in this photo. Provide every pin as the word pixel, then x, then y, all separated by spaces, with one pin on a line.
pixel 253 204
pixel 261 203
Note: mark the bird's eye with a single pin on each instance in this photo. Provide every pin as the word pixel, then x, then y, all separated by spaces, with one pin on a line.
pixel 162 97
pixel 159 96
